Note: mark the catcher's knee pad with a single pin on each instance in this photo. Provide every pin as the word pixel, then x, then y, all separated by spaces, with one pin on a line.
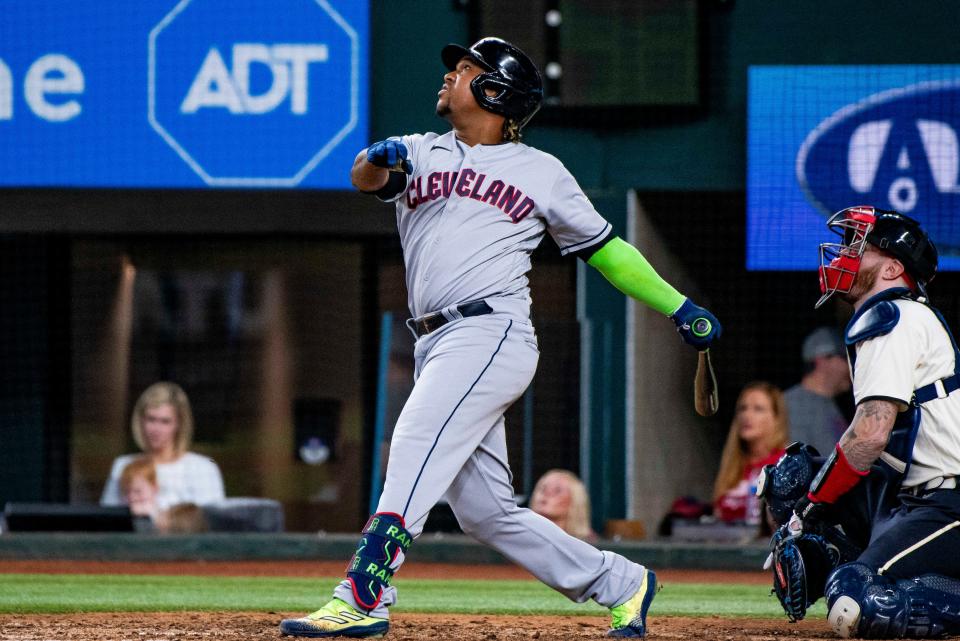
pixel 782 484
pixel 379 554
pixel 865 604
pixel 844 591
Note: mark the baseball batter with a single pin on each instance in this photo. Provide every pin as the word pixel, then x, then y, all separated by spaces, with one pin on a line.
pixel 472 204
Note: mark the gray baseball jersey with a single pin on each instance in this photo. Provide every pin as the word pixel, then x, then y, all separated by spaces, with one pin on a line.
pixel 468 219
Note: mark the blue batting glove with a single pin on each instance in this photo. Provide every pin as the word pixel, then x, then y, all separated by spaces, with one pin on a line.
pixel 390 154
pixel 697 326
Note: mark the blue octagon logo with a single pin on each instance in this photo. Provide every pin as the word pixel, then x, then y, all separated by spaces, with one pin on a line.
pixel 898 149
pixel 253 92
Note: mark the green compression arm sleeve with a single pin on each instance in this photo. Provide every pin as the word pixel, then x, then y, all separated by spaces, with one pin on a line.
pixel 627 270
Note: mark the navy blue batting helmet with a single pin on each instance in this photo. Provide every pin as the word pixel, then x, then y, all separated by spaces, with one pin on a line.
pixel 508 71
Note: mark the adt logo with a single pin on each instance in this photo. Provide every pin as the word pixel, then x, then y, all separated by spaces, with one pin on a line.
pixel 895 150
pixel 253 92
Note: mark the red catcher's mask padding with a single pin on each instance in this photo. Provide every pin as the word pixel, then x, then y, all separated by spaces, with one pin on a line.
pixel 840 262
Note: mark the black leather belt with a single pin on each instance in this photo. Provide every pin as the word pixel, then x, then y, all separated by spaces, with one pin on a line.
pixel 432 322
pixel 939 483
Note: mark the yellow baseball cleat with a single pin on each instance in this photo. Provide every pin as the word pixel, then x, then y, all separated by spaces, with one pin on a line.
pixel 336 619
pixel 630 617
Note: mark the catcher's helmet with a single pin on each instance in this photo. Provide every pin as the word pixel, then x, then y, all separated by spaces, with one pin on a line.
pixel 890 231
pixel 903 237
pixel 509 72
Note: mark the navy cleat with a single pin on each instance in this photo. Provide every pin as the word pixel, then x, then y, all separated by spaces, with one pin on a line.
pixel 630 617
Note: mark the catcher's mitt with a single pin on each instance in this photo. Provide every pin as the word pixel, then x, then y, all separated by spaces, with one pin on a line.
pixel 783 484
pixel 801 564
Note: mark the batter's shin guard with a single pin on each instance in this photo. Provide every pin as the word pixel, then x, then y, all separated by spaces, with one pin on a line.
pixel 864 604
pixel 379 554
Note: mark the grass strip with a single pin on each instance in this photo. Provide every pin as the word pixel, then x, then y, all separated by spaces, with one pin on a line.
pixel 59 593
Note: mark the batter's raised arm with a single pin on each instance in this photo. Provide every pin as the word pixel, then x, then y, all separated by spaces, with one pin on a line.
pixel 627 270
pixel 381 167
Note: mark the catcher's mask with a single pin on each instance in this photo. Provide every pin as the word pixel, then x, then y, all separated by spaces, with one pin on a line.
pixel 889 231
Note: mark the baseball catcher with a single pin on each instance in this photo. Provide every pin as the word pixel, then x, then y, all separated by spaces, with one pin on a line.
pixel 874 526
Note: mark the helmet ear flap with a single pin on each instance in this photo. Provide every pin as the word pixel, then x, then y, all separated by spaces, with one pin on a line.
pixel 904 238
pixel 514 104
pixel 489 80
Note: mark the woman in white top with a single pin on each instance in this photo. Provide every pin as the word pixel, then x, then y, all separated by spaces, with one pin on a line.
pixel 162 426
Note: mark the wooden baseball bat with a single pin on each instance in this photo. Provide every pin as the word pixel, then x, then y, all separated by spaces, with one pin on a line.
pixel 706 398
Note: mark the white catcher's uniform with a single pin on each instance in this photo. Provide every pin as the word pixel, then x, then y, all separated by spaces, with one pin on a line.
pixel 916 352
pixel 468 220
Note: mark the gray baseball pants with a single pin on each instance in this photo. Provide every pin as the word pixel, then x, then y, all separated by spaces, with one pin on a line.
pixel 450 442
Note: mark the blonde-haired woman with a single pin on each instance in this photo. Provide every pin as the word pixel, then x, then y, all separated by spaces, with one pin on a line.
pixel 562 498
pixel 758 436
pixel 162 426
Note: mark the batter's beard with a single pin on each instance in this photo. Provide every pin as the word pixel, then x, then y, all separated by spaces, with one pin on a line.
pixel 862 283
pixel 443 110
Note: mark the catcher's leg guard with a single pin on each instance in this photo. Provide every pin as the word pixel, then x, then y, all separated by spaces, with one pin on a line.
pixel 379 554
pixel 865 604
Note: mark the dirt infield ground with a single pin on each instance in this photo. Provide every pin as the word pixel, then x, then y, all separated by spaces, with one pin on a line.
pixel 257 626
pixel 233 626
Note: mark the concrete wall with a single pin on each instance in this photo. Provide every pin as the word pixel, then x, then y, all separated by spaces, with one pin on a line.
pixel 673 448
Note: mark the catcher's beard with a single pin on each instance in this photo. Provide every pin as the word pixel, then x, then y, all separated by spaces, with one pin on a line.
pixel 863 283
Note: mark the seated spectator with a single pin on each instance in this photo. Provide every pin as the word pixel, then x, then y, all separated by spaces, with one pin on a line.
pixel 162 426
pixel 138 483
pixel 815 418
pixel 562 498
pixel 758 436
